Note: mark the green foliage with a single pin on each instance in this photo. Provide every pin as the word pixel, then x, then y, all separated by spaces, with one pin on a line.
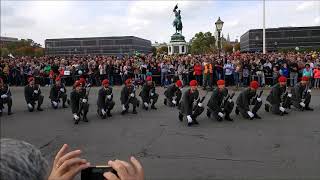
pixel 227 47
pixel 23 47
pixel 202 43
pixel 154 50
pixel 237 47
pixel 162 50
pixel 4 52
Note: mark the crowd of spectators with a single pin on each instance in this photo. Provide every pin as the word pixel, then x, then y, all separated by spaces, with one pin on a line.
pixel 238 69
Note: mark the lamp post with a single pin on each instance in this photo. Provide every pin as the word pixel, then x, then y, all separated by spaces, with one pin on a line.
pixel 219 25
pixel 276 46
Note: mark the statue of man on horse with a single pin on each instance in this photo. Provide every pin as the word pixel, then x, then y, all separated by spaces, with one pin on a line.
pixel 177 23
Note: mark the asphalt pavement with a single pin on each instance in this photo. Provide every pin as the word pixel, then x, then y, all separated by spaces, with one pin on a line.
pixel 274 147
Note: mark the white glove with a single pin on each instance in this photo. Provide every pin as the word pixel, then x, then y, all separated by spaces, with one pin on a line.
pixel 174 102
pixel 124 107
pixel 200 104
pixel 103 112
pixel 146 104
pixel 309 91
pixel 230 100
pixel 221 114
pixel 151 94
pixel 282 109
pixel 302 104
pixel 36 91
pixel 76 117
pixel 121 74
pixel 3 96
pixel 174 97
pixel 61 89
pixel 132 94
pixel 109 96
pixel 54 103
pixel 250 114
pixel 289 95
pixel 84 100
pixel 189 119
pixel 30 106
pixel 259 99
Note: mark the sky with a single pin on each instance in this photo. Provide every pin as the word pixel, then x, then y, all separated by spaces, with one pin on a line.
pixel 152 19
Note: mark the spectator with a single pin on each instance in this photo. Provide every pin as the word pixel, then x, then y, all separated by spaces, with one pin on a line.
pixel 316 73
pixel 197 72
pixel 228 75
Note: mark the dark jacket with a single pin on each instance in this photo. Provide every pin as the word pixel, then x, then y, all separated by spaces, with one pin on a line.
pixel 75 98
pixel 172 91
pixel 102 96
pixel 244 98
pixel 187 101
pixel 29 94
pixel 55 91
pixel 216 99
pixel 5 90
pixel 275 94
pixel 125 94
pixel 146 91
pixel 297 92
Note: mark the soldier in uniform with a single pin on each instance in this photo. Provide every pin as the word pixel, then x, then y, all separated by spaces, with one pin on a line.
pixel 5 97
pixel 57 92
pixel 278 98
pixel 217 106
pixel 190 105
pixel 246 98
pixel 148 94
pixel 79 103
pixel 105 100
pixel 128 96
pixel 32 94
pixel 173 94
pixel 301 95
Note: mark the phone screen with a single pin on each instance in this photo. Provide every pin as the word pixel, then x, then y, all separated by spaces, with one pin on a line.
pixel 96 172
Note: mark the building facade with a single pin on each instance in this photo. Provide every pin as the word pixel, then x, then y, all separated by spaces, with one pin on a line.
pixel 6 40
pixel 281 38
pixel 111 46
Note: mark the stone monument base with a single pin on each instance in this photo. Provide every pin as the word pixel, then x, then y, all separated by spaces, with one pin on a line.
pixel 177 45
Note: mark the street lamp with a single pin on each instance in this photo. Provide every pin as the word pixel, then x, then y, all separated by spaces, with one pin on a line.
pixel 219 25
pixel 276 46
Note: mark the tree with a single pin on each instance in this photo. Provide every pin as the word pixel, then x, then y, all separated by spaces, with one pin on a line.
pixel 154 50
pixel 202 43
pixel 228 48
pixel 237 47
pixel 162 50
pixel 38 52
pixel 4 52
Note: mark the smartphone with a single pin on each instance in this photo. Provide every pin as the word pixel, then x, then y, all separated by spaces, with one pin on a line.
pixel 96 172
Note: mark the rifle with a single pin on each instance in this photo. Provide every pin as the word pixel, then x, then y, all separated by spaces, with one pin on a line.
pixel 254 101
pixel 227 99
pixel 127 102
pixel 200 101
pixel 85 97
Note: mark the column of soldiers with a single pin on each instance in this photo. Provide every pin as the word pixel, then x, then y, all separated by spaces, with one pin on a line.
pixel 190 105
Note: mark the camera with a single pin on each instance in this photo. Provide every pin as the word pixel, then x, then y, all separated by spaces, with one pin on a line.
pixel 96 172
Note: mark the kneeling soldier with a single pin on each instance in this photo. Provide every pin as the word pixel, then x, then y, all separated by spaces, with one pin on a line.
pixel 79 103
pixel 32 94
pixel 191 105
pixel 278 98
pixel 128 96
pixel 173 94
pixel 246 98
pixel 301 95
pixel 105 100
pixel 220 104
pixel 5 97
pixel 57 92
pixel 148 94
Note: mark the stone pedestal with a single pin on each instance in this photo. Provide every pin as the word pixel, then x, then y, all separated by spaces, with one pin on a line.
pixel 177 45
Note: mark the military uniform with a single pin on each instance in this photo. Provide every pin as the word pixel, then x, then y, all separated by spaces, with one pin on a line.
pixel 190 105
pixel 79 104
pixel 246 98
pixel 173 94
pixel 32 96
pixel 105 102
pixel 57 93
pixel 301 97
pixel 217 107
pixel 127 97
pixel 149 96
pixel 5 98
pixel 278 99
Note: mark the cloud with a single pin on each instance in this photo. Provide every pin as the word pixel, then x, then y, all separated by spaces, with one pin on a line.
pixel 305 5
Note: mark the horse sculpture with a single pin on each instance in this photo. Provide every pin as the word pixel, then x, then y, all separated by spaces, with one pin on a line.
pixel 177 23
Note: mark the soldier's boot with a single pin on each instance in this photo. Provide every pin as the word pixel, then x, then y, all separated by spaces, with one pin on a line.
pixel 180 116
pixel 256 116
pixel 208 113
pixel 153 107
pixel 194 120
pixel 228 118
pixel 39 108
pixel 0 112
pixel 134 111
pixel 307 108
pixel 64 105
pixel 165 101
pixel 9 111
pixel 267 107
pixel 85 119
pixel 109 113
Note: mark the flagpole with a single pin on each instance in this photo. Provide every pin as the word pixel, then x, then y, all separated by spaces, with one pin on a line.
pixel 264 26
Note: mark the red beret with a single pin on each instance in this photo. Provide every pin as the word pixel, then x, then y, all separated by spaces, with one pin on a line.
pixel 77 84
pixel 193 83
pixel 149 78
pixel 128 81
pixel 179 83
pixel 220 82
pixel 105 82
pixel 254 84
pixel 58 78
pixel 305 78
pixel 282 79
pixel 82 80
pixel 30 79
